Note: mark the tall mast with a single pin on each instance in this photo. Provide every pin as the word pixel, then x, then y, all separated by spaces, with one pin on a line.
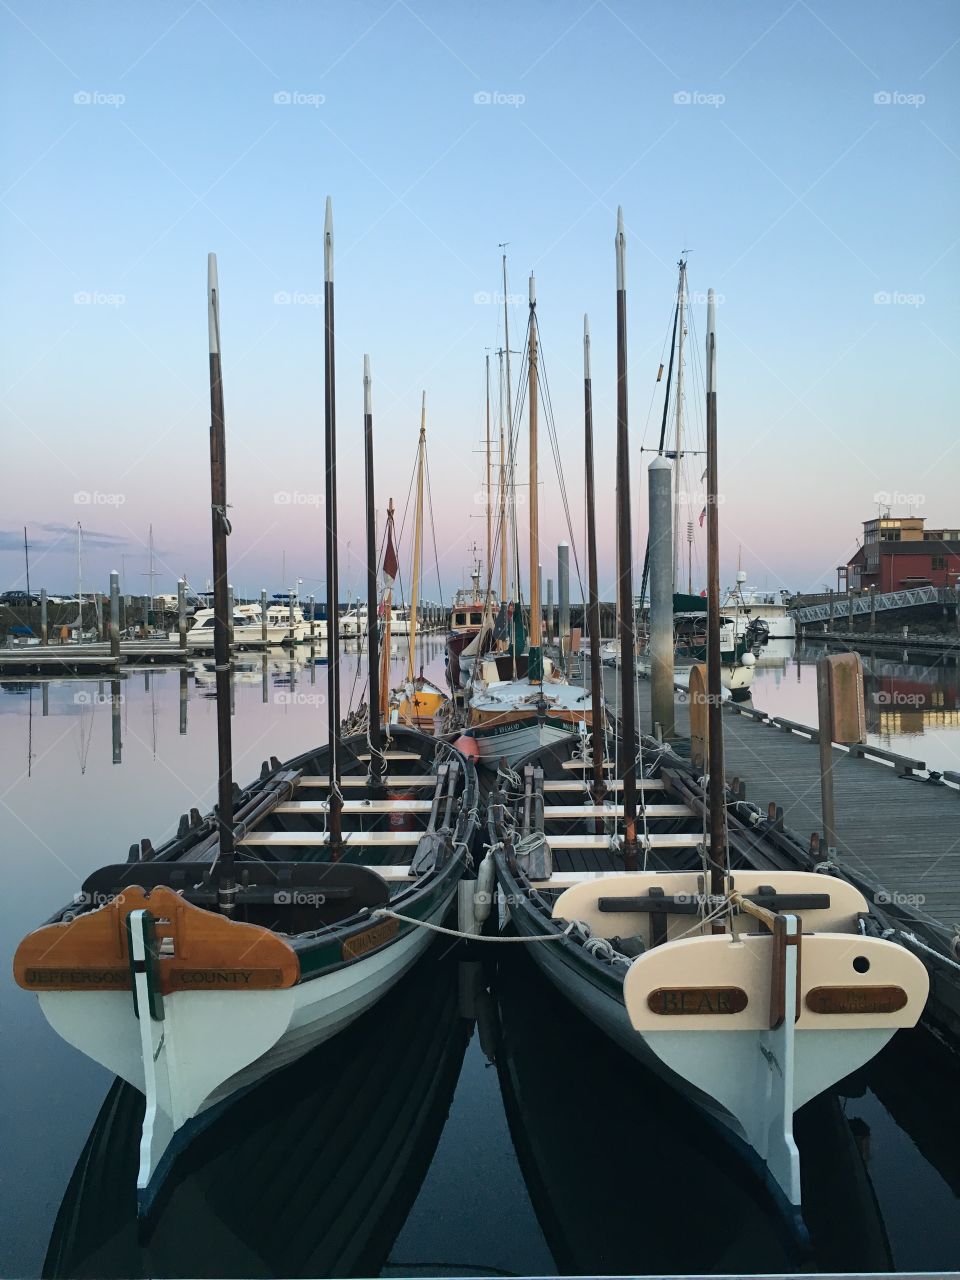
pixel 598 788
pixel 417 539
pixel 333 592
pixel 377 762
pixel 628 713
pixel 26 549
pixel 390 567
pixel 715 736
pixel 535 615
pixel 489 490
pixel 79 587
pixel 678 423
pixel 510 459
pixel 503 497
pixel 226 879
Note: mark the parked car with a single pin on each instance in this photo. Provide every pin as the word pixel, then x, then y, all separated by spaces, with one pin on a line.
pixel 18 599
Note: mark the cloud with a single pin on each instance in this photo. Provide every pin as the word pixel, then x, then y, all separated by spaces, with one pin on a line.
pixel 12 540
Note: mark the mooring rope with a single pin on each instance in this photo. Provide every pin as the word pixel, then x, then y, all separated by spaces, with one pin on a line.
pixel 384 913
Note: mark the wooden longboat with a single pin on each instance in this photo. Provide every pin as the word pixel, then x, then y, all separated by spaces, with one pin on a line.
pixel 643 1137
pixel 140 972
pixel 726 1018
pixel 313 1175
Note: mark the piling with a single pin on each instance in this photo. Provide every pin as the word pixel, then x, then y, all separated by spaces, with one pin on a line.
pixel 114 614
pixel 183 702
pixel 563 590
pixel 230 629
pixel 182 612
pixel 873 608
pixel 146 615
pixel 550 610
pixel 43 615
pixel 263 617
pixel 292 632
pixel 264 681
pixel 313 629
pixel 98 609
pixel 115 701
pixel 660 477
pixel 45 698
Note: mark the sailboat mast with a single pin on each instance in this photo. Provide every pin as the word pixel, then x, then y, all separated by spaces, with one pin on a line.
pixel 226 879
pixel 536 619
pixel 377 762
pixel 489 490
pixel 510 457
pixel 628 713
pixel 389 574
pixel 79 588
pixel 678 422
pixel 717 855
pixel 503 498
pixel 26 557
pixel 417 539
pixel 333 592
pixel 598 788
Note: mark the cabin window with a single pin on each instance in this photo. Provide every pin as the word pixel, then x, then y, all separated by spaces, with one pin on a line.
pixel 475 619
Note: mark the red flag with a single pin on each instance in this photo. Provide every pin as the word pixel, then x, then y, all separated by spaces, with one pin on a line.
pixel 390 562
pixel 703 516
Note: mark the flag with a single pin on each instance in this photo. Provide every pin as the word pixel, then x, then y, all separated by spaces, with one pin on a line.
pixel 390 562
pixel 703 516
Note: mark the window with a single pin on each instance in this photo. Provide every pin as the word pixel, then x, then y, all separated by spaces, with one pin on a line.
pixel 476 619
pixel 938 562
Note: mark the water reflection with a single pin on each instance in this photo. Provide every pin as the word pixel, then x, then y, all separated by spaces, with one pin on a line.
pixel 312 1173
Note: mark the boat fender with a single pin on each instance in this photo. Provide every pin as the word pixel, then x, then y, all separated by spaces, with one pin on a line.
pixel 483 895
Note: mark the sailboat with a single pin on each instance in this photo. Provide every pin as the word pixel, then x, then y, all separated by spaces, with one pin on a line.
pixel 261 930
pixel 519 701
pixel 419 701
pixel 749 990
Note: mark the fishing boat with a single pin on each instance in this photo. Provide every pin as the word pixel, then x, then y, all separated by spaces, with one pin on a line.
pixel 750 988
pixel 419 700
pixel 259 931
pixel 768 606
pixel 520 700
pixel 313 1176
pixel 248 629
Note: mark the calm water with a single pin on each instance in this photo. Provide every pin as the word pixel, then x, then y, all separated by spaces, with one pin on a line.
pixel 473 1123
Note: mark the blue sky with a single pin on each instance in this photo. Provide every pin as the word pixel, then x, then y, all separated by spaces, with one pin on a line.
pixel 807 155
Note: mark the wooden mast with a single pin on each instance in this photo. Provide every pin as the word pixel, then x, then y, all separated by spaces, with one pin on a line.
pixel 503 502
pixel 417 547
pixel 717 797
pixel 536 619
pixel 628 711
pixel 226 874
pixel 389 574
pixel 489 491
pixel 333 592
pixel 598 787
pixel 377 769
pixel 511 477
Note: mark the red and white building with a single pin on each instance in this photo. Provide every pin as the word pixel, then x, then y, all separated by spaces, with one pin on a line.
pixel 899 552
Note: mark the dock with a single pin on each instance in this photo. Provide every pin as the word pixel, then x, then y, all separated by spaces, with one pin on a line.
pixel 88 659
pixel 898 826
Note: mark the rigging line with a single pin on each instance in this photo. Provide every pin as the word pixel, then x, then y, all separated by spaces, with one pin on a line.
pixel 555 445
pixel 656 383
pixel 433 527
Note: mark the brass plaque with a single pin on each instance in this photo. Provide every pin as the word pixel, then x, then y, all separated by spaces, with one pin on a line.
pixel 856 999
pixel 685 1001
pixel 195 979
pixel 76 979
pixel 370 939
